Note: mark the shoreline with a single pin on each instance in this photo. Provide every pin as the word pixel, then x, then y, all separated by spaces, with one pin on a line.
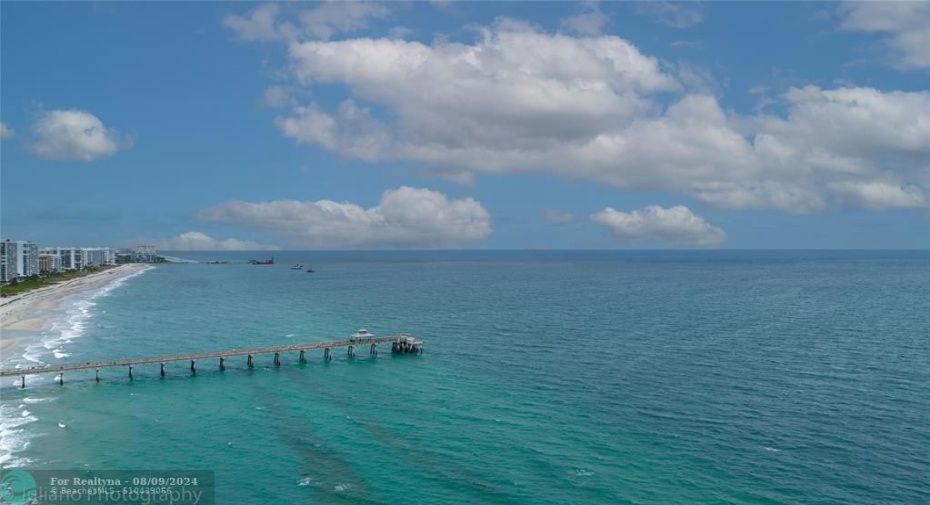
pixel 13 309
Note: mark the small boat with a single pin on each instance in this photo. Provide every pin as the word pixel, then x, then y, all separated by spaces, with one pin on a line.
pixel 362 334
pixel 297 266
pixel 310 270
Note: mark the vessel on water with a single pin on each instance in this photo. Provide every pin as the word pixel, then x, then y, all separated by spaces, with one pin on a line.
pixel 361 334
pixel 262 262
pixel 297 266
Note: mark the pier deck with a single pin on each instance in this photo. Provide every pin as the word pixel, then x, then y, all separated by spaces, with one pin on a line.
pixel 400 344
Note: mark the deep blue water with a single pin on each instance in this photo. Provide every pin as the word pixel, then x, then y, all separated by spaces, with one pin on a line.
pixel 547 377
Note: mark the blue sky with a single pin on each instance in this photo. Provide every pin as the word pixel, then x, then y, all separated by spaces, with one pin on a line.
pixel 215 125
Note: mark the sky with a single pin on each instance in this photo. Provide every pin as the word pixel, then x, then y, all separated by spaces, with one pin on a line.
pixel 466 125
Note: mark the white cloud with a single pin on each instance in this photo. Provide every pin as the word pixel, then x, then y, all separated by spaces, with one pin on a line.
pixel 675 226
pixel 197 241
pixel 517 100
pixel 512 85
pixel 590 21
pixel 353 132
pixel 334 17
pixel 5 131
pixel 880 195
pixel 261 24
pixel 674 14
pixel 322 22
pixel 850 126
pixel 277 97
pixel 559 217
pixel 405 217
pixel 906 23
pixel 74 135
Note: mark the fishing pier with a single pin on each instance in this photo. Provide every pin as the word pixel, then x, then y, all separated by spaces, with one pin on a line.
pixel 400 344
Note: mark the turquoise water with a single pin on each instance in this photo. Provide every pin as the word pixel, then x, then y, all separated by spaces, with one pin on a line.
pixel 547 377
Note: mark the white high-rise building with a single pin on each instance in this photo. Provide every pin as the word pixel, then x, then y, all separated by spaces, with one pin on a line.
pixel 8 261
pixel 30 257
pixel 18 259
pixel 69 258
pixel 96 256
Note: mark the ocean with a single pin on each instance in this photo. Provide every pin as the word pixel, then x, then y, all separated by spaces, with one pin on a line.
pixel 547 377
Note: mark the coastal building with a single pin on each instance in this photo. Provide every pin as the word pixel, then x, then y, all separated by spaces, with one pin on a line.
pixel 97 256
pixel 7 261
pixel 78 258
pixel 45 263
pixel 18 259
pixel 144 254
pixel 30 258
pixel 138 254
pixel 68 258
pixel 54 259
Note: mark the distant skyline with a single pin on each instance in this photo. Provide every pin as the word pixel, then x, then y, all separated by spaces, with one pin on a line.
pixel 338 125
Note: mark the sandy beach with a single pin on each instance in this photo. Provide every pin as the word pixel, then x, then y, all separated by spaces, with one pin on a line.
pixel 13 308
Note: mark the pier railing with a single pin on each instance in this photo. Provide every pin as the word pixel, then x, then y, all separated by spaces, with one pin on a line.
pixel 400 344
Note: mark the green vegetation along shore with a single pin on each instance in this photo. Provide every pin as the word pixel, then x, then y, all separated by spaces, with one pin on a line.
pixel 36 281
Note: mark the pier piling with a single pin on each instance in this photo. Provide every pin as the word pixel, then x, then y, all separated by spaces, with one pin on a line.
pixel 303 356
pixel 222 364
pixel 250 362
pixel 327 354
pixel 23 384
pixel 97 375
pixel 277 359
pixel 193 366
pixel 130 372
pixel 351 351
pixel 61 379
pixel 162 369
pixel 374 350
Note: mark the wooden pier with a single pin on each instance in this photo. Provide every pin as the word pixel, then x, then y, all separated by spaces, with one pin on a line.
pixel 400 344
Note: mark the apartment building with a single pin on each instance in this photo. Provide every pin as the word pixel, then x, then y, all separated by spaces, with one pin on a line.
pixel 97 256
pixel 67 258
pixel 18 259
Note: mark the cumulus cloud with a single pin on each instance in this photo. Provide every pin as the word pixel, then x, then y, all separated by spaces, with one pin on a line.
pixel 5 131
pixel 590 21
pixel 405 217
pixel 907 25
pixel 675 226
pixel 514 89
pixel 340 16
pixel 880 195
pixel 322 22
pixel 559 217
pixel 277 97
pixel 674 14
pixel 74 135
pixel 260 24
pixel 518 100
pixel 198 241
